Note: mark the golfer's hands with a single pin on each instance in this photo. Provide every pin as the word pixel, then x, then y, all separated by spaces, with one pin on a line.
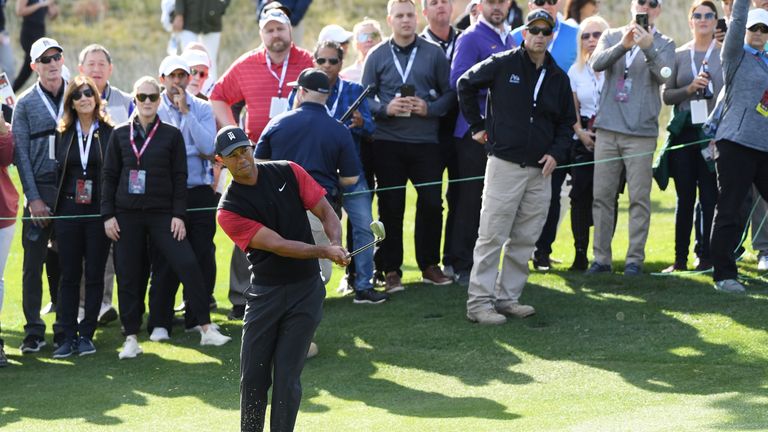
pixel 178 229
pixel 337 254
pixel 112 229
pixel 39 212
pixel 549 165
pixel 480 137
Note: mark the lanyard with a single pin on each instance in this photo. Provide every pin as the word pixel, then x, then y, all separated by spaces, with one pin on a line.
pixel 706 60
pixel 554 37
pixel 538 86
pixel 332 110
pixel 172 115
pixel 48 105
pixel 151 134
pixel 281 78
pixel 85 150
pixel 408 66
pixel 629 57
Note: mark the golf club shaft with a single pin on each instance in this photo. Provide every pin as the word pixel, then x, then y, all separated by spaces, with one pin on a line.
pixel 357 251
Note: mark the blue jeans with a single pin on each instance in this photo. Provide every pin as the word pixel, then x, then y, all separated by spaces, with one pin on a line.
pixel 358 208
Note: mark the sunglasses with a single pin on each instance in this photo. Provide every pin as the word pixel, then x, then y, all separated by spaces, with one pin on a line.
pixel 77 94
pixel 596 35
pixel 142 97
pixel 653 4
pixel 201 73
pixel 543 2
pixel 368 37
pixel 534 30
pixel 705 16
pixel 48 59
pixel 762 28
pixel 321 61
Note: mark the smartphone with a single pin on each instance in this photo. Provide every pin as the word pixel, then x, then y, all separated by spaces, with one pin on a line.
pixel 407 90
pixel 721 25
pixel 642 20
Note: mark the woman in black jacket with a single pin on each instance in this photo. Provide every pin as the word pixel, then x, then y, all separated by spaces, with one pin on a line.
pixel 81 141
pixel 144 194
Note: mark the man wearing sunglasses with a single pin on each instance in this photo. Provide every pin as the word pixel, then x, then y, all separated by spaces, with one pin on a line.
pixel 35 118
pixel 627 123
pixel 199 68
pixel 527 131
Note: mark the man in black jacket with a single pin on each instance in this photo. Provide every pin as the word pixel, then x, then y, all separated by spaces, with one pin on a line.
pixel 524 141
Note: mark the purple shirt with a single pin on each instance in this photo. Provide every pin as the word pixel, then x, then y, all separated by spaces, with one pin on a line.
pixel 475 44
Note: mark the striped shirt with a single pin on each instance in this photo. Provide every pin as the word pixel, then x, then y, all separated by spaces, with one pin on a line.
pixel 250 80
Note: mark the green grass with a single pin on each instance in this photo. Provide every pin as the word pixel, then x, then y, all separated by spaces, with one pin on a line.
pixel 602 354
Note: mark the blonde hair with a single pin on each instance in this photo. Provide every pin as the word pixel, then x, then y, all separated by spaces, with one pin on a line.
pixel 392 3
pixel 146 79
pixel 582 57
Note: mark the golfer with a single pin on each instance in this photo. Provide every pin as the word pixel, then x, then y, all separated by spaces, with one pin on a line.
pixel 264 212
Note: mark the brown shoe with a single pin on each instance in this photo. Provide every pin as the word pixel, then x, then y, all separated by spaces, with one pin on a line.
pixel 393 283
pixel 515 309
pixel 433 275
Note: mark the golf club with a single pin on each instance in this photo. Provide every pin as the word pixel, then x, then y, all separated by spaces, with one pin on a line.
pixel 378 235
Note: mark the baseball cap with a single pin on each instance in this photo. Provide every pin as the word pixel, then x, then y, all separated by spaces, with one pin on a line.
pixel 273 14
pixel 196 57
pixel 42 45
pixel 171 63
pixel 335 33
pixel 313 79
pixel 229 139
pixel 470 4
pixel 757 16
pixel 539 15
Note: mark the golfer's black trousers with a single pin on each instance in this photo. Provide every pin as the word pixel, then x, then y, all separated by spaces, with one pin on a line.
pixel 280 321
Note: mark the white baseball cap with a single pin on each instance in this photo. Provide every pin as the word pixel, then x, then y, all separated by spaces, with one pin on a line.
pixel 757 16
pixel 196 57
pixel 273 14
pixel 42 45
pixel 171 63
pixel 335 33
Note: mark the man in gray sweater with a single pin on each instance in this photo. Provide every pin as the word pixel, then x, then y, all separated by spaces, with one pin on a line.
pixel 628 123
pixel 34 124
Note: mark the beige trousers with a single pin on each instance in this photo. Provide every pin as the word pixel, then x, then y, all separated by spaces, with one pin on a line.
pixel 515 205
pixel 610 145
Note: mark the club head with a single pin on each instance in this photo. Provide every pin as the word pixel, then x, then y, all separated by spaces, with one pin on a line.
pixel 377 228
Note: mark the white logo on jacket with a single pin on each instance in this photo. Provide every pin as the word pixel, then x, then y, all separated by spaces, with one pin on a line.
pixel 514 79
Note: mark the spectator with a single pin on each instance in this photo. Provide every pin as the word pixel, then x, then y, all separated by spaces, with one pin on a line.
pixel 34 127
pixel 587 85
pixel 408 102
pixel 696 78
pixel 194 118
pixel 33 13
pixel 577 11
pixel 294 9
pixel 741 153
pixel 253 78
pixel 524 142
pixel 515 15
pixel 7 62
pixel 8 209
pixel 367 35
pixel 335 33
pixel 143 195
pixel 84 126
pixel 201 20
pixel 628 124
pixel 199 64
pixel 490 35
pixel 471 14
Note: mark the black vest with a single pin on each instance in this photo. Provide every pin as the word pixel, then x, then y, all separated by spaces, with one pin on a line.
pixel 274 201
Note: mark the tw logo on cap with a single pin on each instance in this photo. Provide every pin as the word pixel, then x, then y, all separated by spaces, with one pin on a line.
pixel 231 136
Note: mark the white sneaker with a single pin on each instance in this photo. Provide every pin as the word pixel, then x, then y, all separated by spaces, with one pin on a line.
pixel 213 337
pixel 159 334
pixel 131 348
pixel 80 314
pixel 313 350
pixel 198 329
pixel 762 262
pixel 344 289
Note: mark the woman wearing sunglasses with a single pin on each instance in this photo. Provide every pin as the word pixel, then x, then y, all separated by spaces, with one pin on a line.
pixel 697 78
pixel 144 199
pixel 81 142
pixel 367 35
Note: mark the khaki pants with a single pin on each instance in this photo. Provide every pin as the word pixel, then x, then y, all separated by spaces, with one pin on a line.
pixel 318 234
pixel 515 204
pixel 639 177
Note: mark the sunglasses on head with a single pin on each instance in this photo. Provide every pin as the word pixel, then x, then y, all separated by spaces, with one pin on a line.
pixel 321 61
pixel 535 30
pixel 543 2
pixel 653 4
pixel 201 73
pixel 366 37
pixel 77 94
pixel 762 28
pixel 153 97
pixel 703 16
pixel 48 59
pixel 596 35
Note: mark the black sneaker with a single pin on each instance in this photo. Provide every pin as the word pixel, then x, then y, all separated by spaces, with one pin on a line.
pixel 108 316
pixel 3 358
pixel 370 296
pixel 237 312
pixel 67 348
pixel 32 344
pixel 596 268
pixel 85 346
pixel 541 262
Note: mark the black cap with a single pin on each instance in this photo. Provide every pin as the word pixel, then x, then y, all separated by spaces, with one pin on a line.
pixel 229 139
pixel 313 79
pixel 540 15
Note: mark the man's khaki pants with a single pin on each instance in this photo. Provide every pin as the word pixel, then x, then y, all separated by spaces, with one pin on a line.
pixel 611 145
pixel 515 204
